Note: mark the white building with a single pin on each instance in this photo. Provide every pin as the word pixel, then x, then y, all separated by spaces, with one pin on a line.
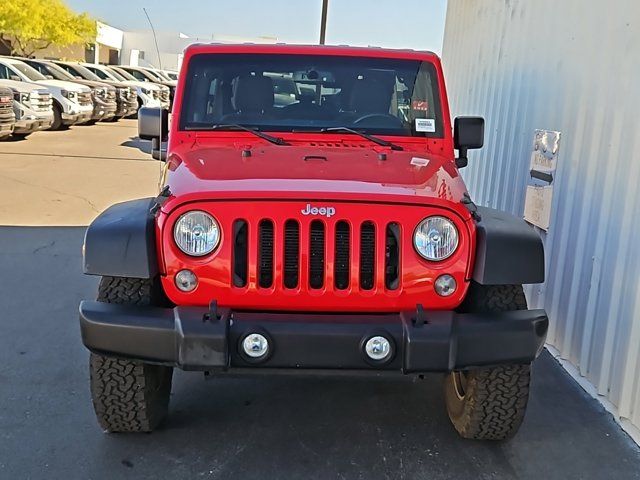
pixel 569 67
pixel 139 47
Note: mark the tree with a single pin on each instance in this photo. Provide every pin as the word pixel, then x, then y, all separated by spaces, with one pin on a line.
pixel 33 25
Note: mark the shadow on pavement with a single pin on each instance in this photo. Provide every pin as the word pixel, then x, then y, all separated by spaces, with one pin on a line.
pixel 259 427
pixel 143 145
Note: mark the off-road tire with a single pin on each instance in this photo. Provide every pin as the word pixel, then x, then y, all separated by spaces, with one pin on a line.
pixel 489 403
pixel 129 395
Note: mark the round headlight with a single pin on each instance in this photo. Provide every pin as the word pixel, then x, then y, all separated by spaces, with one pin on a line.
pixel 436 238
pixel 196 233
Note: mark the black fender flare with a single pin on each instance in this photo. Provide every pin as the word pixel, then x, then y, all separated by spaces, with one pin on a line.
pixel 508 250
pixel 121 241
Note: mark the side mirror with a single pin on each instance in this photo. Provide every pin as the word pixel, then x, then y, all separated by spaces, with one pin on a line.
pixel 468 133
pixel 49 77
pixel 153 124
pixel 15 78
pixel 157 152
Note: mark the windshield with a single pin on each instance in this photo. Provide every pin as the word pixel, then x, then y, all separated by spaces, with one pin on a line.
pixel 56 72
pixel 125 75
pixel 83 72
pixel 154 76
pixel 29 72
pixel 105 74
pixel 312 92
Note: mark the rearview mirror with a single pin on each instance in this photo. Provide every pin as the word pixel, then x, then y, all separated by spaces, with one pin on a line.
pixel 468 133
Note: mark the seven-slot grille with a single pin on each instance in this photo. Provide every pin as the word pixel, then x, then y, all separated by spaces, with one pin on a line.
pixel 164 95
pixel 111 95
pixel 313 272
pixel 41 101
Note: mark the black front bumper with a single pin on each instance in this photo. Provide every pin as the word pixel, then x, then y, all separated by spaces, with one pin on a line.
pixel 196 338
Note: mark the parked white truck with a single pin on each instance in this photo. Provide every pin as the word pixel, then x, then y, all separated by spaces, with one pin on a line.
pixel 32 106
pixel 72 103
pixel 148 94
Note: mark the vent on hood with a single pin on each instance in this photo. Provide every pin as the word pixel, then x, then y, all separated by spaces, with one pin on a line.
pixel 340 144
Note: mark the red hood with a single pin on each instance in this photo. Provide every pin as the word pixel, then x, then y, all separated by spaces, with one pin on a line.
pixel 332 170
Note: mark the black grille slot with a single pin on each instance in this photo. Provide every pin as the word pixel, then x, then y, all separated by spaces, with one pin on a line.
pixel 392 256
pixel 265 253
pixel 240 251
pixel 291 253
pixel 316 254
pixel 341 266
pixel 367 255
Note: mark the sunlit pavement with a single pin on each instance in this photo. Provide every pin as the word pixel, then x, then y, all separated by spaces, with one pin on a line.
pixel 248 428
pixel 68 177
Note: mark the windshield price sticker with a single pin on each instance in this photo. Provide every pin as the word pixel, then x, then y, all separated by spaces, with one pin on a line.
pixel 425 125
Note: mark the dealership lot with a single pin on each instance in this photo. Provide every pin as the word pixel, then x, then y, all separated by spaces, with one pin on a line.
pixel 283 427
pixel 68 177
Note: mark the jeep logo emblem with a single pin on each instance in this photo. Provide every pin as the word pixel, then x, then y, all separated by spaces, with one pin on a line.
pixel 323 211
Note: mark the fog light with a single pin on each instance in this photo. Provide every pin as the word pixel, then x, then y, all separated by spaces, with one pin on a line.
pixel 255 345
pixel 445 285
pixel 378 348
pixel 186 280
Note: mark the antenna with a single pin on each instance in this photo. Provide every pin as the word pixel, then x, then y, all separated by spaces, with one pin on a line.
pixel 155 39
pixel 323 21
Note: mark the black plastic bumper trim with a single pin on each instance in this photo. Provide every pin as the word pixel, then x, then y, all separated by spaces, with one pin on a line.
pixel 188 338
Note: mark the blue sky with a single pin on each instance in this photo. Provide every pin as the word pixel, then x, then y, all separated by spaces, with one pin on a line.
pixel 415 24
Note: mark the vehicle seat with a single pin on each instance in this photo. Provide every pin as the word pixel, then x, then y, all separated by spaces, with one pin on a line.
pixel 369 96
pixel 252 98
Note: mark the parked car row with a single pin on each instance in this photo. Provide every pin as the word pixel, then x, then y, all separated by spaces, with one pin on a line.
pixel 51 94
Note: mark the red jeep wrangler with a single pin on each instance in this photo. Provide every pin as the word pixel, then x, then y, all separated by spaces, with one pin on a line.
pixel 312 218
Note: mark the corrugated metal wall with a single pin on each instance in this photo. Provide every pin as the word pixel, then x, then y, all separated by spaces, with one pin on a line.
pixel 571 66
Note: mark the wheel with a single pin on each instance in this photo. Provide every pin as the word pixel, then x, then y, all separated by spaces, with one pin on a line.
pixel 489 403
pixel 57 118
pixel 129 395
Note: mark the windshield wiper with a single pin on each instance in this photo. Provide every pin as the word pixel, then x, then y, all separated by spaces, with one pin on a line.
pixel 256 132
pixel 371 138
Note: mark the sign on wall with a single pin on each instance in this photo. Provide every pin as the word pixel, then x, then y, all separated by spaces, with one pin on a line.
pixel 109 36
pixel 542 171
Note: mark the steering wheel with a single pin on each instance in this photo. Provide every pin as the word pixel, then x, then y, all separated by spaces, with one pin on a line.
pixel 387 119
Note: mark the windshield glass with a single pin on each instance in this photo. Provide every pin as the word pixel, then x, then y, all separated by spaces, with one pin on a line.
pixel 154 76
pixel 83 72
pixel 105 74
pixel 31 73
pixel 312 92
pixel 125 75
pixel 56 72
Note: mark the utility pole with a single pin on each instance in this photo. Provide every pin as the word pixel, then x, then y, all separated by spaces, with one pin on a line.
pixel 323 22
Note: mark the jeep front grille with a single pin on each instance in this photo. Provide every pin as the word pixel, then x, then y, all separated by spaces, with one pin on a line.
pixel 291 253
pixel 313 269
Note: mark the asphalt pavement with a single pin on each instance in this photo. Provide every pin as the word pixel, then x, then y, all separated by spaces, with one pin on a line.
pixel 251 428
